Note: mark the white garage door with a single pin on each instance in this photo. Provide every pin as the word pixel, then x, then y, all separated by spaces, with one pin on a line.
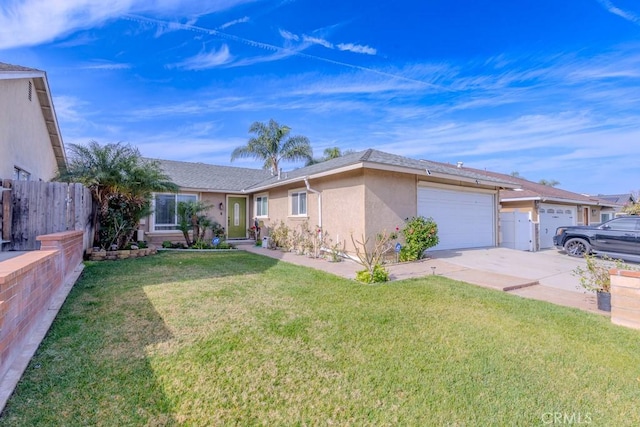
pixel 552 217
pixel 465 219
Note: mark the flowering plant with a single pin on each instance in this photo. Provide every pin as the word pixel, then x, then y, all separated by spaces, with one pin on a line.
pixel 420 234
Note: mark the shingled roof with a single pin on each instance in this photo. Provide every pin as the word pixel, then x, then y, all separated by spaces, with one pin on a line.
pixel 533 191
pixel 617 199
pixel 372 158
pixel 16 68
pixel 206 177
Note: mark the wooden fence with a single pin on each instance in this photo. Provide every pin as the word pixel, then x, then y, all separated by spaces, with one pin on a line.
pixel 33 208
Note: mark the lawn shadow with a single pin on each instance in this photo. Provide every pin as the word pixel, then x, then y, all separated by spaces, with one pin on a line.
pixel 94 363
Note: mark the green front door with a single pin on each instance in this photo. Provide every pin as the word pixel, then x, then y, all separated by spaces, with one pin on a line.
pixel 237 218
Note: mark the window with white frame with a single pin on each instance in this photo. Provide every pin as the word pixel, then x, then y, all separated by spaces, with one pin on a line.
pixel 605 217
pixel 262 205
pixel 298 203
pixel 165 212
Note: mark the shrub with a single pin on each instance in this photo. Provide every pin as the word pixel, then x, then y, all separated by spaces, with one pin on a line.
pixel 167 244
pixel 370 256
pixel 379 274
pixel 420 234
pixel 632 208
pixel 596 277
pixel 191 218
pixel 201 244
pixel 280 235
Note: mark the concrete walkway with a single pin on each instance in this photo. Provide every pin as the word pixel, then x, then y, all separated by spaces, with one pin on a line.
pixel 530 275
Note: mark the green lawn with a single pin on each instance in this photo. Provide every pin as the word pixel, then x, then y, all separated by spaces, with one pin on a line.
pixel 238 339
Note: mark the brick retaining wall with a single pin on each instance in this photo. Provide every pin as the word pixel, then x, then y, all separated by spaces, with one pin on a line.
pixel 29 283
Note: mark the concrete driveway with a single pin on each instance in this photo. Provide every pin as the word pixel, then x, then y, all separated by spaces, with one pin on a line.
pixel 549 267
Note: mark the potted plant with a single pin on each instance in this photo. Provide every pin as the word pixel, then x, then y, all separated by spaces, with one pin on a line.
pixel 595 277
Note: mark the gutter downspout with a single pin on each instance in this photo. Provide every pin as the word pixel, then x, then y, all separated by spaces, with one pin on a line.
pixel 319 193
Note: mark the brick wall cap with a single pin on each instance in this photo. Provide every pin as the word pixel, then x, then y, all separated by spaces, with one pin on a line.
pixel 624 273
pixel 62 235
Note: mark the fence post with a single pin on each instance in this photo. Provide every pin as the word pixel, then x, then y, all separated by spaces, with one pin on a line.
pixel 5 211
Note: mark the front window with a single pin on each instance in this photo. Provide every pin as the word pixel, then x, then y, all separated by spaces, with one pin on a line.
pixel 298 203
pixel 166 210
pixel 605 217
pixel 262 206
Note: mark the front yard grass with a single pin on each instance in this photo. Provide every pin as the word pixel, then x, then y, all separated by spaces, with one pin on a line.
pixel 238 339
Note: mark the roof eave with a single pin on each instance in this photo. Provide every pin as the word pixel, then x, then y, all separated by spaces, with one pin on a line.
pixel 20 74
pixel 432 174
pixel 544 199
pixel 389 168
pixel 51 121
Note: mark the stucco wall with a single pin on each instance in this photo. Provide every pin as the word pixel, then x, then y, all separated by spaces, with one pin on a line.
pixel 24 139
pixel 342 206
pixel 390 198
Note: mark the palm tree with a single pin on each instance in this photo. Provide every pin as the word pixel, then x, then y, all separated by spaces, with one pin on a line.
pixel 272 144
pixel 332 153
pixel 549 183
pixel 121 183
pixel 329 153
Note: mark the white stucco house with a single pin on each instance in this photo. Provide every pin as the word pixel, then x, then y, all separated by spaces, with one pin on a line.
pixel 31 144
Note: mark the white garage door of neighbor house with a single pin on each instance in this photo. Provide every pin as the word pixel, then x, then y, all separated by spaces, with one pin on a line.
pixel 552 217
pixel 465 219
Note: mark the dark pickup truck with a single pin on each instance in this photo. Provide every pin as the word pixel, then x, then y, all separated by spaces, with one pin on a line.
pixel 618 238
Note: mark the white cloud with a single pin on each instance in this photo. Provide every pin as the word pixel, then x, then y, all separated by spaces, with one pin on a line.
pixel 317 40
pixel 68 109
pixel 629 16
pixel 206 60
pixel 32 22
pixel 106 65
pixel 234 22
pixel 357 48
pixel 288 35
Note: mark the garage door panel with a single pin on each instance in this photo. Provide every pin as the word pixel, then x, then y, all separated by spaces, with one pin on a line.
pixel 465 219
pixel 550 218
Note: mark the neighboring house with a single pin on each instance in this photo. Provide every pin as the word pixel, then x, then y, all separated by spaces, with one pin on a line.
pixel 617 201
pixel 530 215
pixel 359 194
pixel 30 141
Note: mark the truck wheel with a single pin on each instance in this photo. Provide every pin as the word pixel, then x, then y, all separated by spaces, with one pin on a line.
pixel 577 247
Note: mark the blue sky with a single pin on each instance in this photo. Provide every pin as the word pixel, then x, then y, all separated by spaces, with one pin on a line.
pixel 547 88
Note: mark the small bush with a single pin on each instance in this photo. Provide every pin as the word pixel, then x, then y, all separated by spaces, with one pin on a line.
pixel 280 236
pixel 379 275
pixel 420 234
pixel 201 244
pixel 167 244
